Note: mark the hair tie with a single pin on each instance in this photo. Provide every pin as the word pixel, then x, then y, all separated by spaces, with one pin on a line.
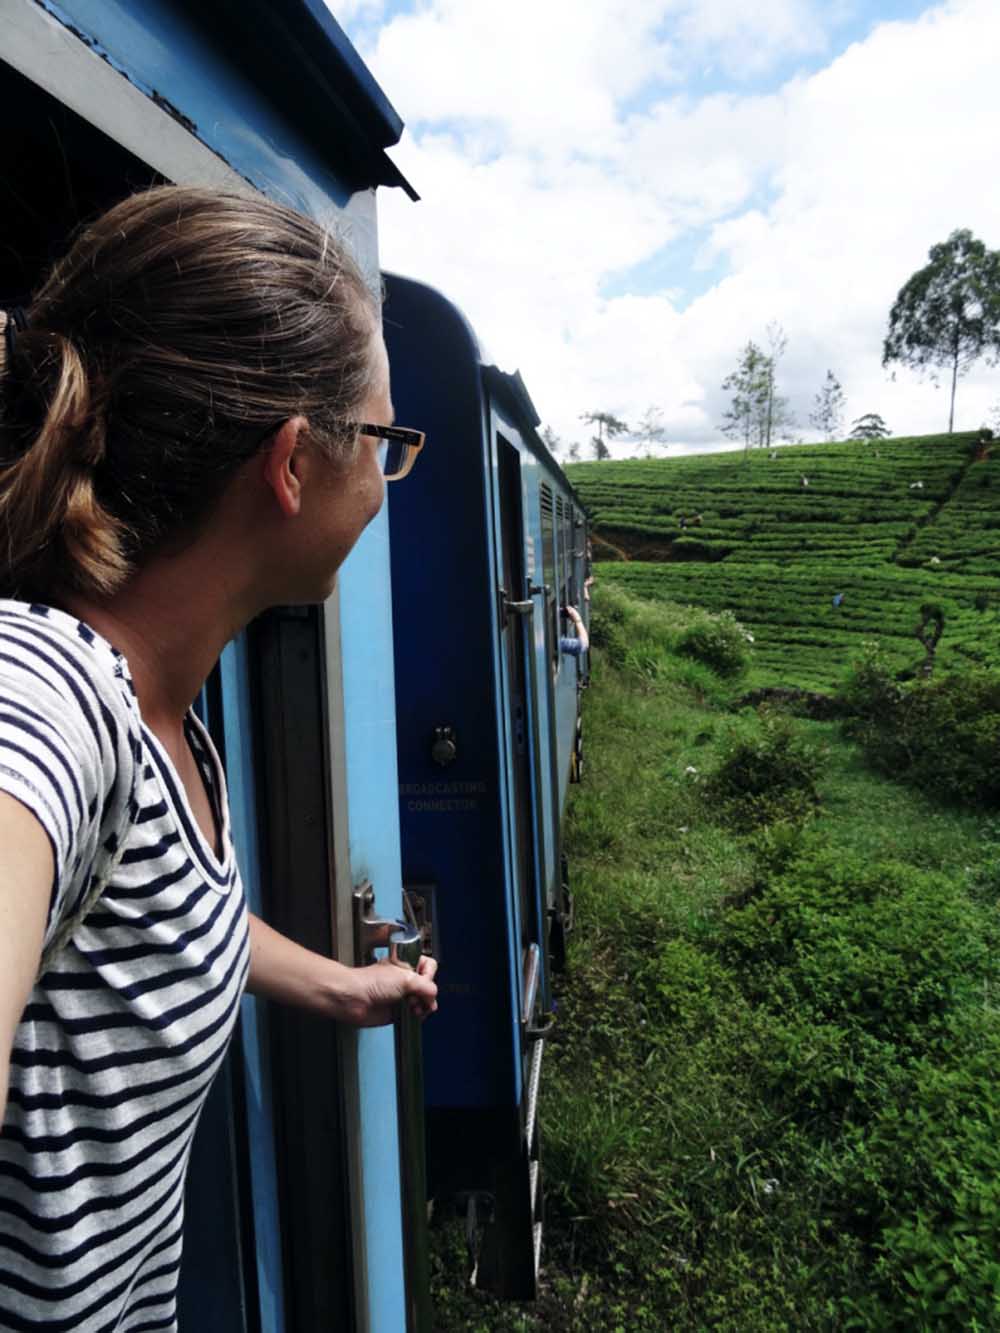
pixel 16 321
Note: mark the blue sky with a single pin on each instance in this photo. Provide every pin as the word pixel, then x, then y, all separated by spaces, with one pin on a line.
pixel 619 206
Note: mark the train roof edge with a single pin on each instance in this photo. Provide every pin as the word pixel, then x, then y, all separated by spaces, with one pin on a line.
pixel 302 36
pixel 510 384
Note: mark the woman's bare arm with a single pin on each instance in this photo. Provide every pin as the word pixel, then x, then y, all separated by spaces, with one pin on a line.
pixel 282 970
pixel 26 868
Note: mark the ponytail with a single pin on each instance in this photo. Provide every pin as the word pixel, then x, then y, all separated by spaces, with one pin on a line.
pixel 53 529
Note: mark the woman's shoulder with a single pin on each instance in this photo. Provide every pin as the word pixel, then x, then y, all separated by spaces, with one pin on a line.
pixel 70 734
pixel 59 651
pixel 60 678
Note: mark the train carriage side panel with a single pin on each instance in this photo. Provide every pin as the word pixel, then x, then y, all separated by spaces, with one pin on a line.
pixel 450 766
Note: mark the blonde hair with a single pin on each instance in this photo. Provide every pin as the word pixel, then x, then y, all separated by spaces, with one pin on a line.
pixel 180 330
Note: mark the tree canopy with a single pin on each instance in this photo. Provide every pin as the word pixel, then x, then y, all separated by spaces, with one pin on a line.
pixel 828 409
pixel 748 386
pixel 608 426
pixel 869 427
pixel 651 431
pixel 948 314
pixel 757 412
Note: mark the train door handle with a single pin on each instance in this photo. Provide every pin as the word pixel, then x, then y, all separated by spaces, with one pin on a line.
pixel 404 941
pixel 508 607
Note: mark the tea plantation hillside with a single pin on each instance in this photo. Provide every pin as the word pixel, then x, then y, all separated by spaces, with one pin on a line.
pixel 814 547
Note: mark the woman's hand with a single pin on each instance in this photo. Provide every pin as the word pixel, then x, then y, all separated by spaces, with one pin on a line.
pixel 374 992
pixel 365 997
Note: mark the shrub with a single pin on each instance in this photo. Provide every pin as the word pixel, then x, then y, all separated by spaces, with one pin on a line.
pixel 610 613
pixel 720 641
pixel 767 773
pixel 937 1206
pixel 941 735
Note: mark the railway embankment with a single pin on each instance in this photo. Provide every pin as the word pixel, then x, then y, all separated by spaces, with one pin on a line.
pixel 770 1097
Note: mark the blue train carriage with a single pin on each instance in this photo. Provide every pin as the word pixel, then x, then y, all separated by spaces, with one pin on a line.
pixel 306 1199
pixel 488 543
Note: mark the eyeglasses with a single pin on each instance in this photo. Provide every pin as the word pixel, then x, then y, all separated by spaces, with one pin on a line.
pixel 396 454
pixel 398 449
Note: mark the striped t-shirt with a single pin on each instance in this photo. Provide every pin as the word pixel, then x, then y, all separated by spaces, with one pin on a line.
pixel 123 1033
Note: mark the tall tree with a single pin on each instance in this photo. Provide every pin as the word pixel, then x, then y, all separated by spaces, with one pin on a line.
pixel 608 426
pixel 748 386
pixel 869 427
pixel 948 314
pixel 573 452
pixel 651 431
pixel 828 410
pixel 777 418
pixel 551 441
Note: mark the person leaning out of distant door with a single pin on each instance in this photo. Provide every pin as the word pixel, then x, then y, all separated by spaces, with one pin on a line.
pixel 578 644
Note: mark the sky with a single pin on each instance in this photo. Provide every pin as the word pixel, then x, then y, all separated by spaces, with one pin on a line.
pixel 620 193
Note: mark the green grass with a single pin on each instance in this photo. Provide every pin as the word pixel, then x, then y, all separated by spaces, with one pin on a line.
pixel 771 1100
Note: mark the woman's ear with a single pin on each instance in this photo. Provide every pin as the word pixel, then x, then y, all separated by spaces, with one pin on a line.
pixel 283 465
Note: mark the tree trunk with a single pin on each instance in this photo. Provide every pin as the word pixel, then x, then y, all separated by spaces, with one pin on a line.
pixel 954 381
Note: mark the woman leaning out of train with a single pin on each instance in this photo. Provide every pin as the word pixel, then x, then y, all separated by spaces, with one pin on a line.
pixel 181 450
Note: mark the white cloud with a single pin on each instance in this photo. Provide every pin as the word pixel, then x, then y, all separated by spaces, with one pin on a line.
pixel 544 174
pixel 549 75
pixel 352 12
pixel 745 40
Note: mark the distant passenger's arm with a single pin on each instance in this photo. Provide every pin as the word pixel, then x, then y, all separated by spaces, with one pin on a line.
pixel 581 629
pixel 26 869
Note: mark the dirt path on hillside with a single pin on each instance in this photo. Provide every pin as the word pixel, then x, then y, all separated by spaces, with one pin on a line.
pixel 603 541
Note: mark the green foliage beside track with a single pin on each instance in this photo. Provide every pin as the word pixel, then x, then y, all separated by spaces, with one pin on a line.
pixel 771 1101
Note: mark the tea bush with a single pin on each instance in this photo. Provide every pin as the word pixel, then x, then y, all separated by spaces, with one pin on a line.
pixel 720 641
pixel 768 772
pixel 942 735
pixel 937 1204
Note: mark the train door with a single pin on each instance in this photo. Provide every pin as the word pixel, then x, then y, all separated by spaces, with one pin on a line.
pixel 517 609
pixel 511 1245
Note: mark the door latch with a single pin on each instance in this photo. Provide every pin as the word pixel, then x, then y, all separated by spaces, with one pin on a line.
pixel 403 940
pixel 509 608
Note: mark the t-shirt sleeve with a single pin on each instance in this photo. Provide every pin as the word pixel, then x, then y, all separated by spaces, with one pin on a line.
pixel 570 645
pixel 67 754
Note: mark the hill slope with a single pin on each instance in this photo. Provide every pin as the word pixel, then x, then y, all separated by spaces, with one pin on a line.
pixel 885 528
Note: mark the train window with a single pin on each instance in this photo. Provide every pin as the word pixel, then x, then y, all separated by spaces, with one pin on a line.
pixel 548 518
pixel 573 555
pixel 560 524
